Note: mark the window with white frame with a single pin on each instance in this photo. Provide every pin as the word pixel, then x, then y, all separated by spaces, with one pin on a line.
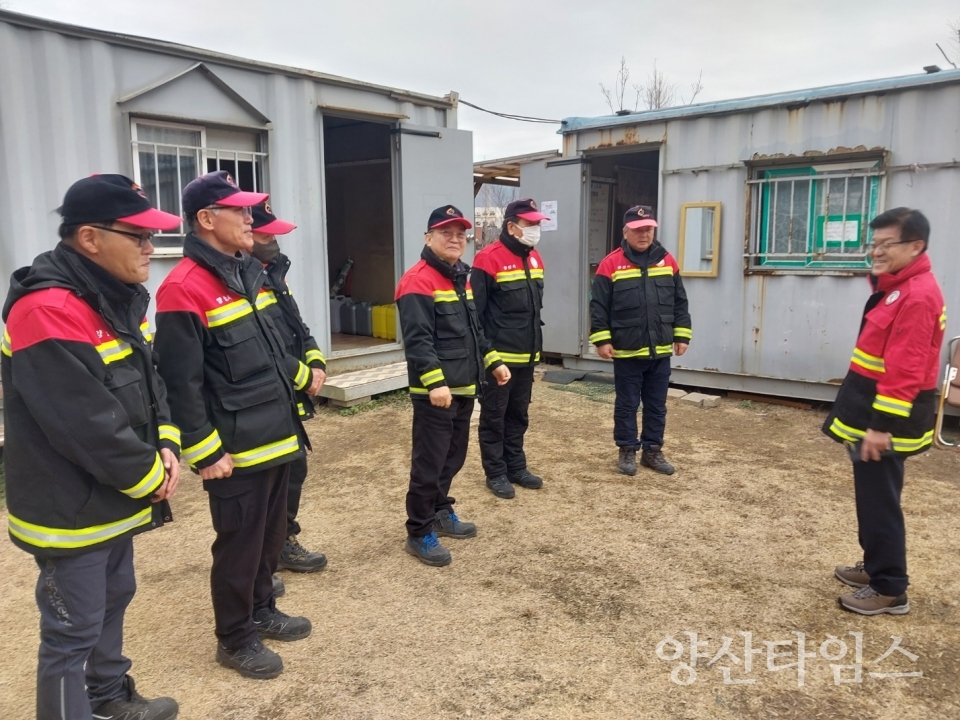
pixel 814 217
pixel 167 156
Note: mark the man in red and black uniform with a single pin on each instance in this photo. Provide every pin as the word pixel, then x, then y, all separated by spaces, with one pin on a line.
pixel 507 281
pixel 639 318
pixel 886 407
pixel 447 354
pixel 232 392
pixel 91 454
pixel 277 303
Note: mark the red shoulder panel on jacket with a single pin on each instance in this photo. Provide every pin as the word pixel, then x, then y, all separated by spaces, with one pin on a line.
pixel 421 279
pixel 610 262
pixel 52 314
pixel 672 262
pixel 186 289
pixel 486 260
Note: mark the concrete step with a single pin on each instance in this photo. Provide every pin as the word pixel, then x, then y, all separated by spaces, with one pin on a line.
pixel 354 388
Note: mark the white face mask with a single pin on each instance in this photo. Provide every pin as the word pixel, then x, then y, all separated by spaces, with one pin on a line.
pixel 531 236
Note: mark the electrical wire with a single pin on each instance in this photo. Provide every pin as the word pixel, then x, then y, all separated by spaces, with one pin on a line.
pixel 510 116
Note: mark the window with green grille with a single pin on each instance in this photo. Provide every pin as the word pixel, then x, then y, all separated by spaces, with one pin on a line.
pixel 814 217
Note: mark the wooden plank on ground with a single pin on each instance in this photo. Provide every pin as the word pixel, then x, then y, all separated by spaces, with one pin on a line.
pixel 769 400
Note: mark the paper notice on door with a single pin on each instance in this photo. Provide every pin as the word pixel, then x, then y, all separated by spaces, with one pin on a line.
pixel 549 208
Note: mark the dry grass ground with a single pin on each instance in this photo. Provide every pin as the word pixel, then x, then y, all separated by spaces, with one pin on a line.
pixel 556 610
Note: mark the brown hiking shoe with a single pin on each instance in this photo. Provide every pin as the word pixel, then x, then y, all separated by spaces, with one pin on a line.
pixel 654 459
pixel 852 575
pixel 627 463
pixel 868 601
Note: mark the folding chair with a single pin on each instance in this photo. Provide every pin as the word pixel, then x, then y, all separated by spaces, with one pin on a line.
pixel 949 393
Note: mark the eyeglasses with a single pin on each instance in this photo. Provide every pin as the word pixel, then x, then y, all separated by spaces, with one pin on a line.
pixel 141 238
pixel 243 210
pixel 881 248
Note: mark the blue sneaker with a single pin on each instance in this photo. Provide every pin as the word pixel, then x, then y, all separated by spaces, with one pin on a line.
pixel 448 524
pixel 428 550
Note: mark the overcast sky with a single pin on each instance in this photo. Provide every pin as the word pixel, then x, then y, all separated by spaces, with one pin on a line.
pixel 546 58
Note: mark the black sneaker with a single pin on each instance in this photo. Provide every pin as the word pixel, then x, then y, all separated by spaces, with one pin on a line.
pixel 296 557
pixel 526 479
pixel 428 550
pixel 137 707
pixel 278 587
pixel 501 487
pixel 654 459
pixel 253 661
pixel 448 524
pixel 275 625
pixel 627 462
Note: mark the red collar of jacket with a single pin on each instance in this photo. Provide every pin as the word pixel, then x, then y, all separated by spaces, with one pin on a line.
pixel 888 281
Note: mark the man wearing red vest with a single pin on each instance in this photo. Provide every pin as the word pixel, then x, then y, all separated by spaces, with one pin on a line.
pixel 886 406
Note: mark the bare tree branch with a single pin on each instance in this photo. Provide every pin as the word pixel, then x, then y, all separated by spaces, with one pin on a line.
pixel 658 92
pixel 608 97
pixel 696 88
pixel 615 96
pixel 945 56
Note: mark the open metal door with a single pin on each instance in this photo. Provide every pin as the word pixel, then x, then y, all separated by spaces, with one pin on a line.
pixel 436 168
pixel 559 185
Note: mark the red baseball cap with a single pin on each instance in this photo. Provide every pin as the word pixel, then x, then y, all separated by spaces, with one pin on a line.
pixel 639 216
pixel 266 223
pixel 447 215
pixel 524 208
pixel 113 198
pixel 217 188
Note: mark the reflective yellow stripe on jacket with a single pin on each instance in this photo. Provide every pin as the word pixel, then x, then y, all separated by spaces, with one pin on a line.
pixel 314 355
pixel 113 350
pixel 5 344
pixel 868 361
pixel 228 313
pixel 205 448
pixel 265 453
pixel 170 433
pixel 47 537
pixel 905 445
pixel 265 299
pixel 150 482
pixel 643 352
pixel 516 358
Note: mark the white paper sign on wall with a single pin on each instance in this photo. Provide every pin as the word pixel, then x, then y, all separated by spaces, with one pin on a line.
pixel 549 207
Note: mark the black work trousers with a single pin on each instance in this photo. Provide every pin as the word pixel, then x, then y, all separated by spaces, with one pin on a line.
pixel 640 380
pixel 881 529
pixel 504 421
pixel 82 601
pixel 440 437
pixel 249 513
pixel 298 473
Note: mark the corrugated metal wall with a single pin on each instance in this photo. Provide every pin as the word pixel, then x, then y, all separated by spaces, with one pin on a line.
pixel 795 327
pixel 60 120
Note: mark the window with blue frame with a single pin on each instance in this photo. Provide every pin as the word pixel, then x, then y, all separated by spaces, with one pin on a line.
pixel 814 217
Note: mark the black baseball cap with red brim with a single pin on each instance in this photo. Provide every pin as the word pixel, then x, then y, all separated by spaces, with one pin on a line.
pixel 447 215
pixel 266 223
pixel 217 188
pixel 526 209
pixel 639 216
pixel 113 198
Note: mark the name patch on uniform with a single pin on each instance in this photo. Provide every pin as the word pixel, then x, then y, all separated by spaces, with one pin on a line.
pixel 892 297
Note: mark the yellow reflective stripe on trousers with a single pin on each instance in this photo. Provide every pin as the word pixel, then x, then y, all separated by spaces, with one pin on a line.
pixel 228 313
pixel 600 336
pixel 491 357
pixel 865 360
pixel 682 333
pixel 626 274
pixel 315 356
pixel 145 331
pixel 265 453
pixel 150 482
pixel 302 379
pixel 431 377
pixel 46 537
pixel 171 433
pixel 266 298
pixel 892 406
pixel 5 344
pixel 203 449
pixel 113 350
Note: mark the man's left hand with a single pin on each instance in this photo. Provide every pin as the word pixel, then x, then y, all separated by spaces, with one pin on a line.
pixel 319 378
pixel 501 375
pixel 679 349
pixel 873 444
pixel 171 468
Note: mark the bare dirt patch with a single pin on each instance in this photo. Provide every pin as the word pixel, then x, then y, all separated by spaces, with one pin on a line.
pixel 557 609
